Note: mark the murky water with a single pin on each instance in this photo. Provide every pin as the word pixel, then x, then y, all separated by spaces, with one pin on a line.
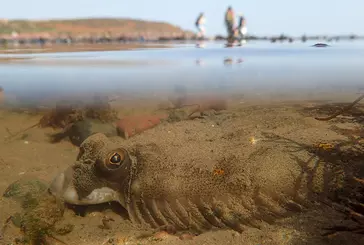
pixel 237 148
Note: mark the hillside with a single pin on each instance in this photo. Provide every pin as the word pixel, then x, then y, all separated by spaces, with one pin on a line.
pixel 96 26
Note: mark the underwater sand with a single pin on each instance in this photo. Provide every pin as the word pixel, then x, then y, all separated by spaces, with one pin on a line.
pixel 34 156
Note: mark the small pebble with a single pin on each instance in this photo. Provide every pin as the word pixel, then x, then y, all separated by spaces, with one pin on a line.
pixel 161 235
pixel 95 214
pixel 120 239
pixel 186 236
pixel 106 222
pixel 26 142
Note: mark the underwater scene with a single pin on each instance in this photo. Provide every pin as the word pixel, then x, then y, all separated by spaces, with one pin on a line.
pixel 172 144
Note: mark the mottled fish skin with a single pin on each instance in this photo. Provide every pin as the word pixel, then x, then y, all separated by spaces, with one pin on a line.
pixel 195 199
pixel 157 191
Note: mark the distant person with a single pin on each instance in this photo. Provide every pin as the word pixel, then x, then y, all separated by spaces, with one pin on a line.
pixel 242 30
pixel 201 30
pixel 230 23
pixel 200 25
pixel 15 36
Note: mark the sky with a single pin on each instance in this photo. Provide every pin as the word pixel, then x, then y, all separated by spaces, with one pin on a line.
pixel 264 17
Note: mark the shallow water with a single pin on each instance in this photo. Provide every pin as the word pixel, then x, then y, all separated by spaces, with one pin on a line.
pixel 255 66
pixel 264 137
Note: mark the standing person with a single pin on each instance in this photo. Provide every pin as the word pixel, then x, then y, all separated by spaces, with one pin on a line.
pixel 201 29
pixel 242 30
pixel 200 25
pixel 230 24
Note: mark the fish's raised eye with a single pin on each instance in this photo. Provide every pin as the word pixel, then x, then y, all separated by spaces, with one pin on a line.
pixel 115 163
pixel 115 159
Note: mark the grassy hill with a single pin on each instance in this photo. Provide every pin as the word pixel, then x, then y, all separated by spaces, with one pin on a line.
pixel 88 26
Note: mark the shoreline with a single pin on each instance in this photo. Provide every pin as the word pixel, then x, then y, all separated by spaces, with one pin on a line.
pixel 78 48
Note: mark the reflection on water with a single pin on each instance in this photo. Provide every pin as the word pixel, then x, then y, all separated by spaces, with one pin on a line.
pixel 226 61
pixel 269 68
pixel 180 138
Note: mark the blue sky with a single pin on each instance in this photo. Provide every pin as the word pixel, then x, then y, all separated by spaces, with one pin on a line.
pixel 264 17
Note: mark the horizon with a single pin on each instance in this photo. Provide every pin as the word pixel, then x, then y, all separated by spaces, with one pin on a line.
pixel 309 18
pixel 161 21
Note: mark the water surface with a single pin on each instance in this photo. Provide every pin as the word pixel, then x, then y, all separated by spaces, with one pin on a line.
pixel 256 66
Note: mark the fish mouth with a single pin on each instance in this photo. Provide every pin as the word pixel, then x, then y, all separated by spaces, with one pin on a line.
pixel 63 188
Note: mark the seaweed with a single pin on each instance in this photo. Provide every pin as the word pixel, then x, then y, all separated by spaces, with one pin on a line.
pixel 345 109
pixel 347 157
pixel 39 220
pixel 41 215
pixel 68 112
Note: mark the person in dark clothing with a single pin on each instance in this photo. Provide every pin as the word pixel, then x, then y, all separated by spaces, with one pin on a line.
pixel 241 28
pixel 230 23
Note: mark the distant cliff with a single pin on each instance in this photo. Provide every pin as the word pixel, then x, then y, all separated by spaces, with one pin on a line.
pixel 91 27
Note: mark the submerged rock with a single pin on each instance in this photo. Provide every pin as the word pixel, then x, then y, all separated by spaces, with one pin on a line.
pixel 320 45
pixel 80 130
pixel 83 129
pixel 131 125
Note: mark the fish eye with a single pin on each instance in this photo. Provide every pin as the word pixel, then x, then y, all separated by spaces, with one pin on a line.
pixel 112 164
pixel 115 159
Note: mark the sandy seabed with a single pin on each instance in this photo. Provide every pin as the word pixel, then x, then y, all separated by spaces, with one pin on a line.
pixel 292 120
